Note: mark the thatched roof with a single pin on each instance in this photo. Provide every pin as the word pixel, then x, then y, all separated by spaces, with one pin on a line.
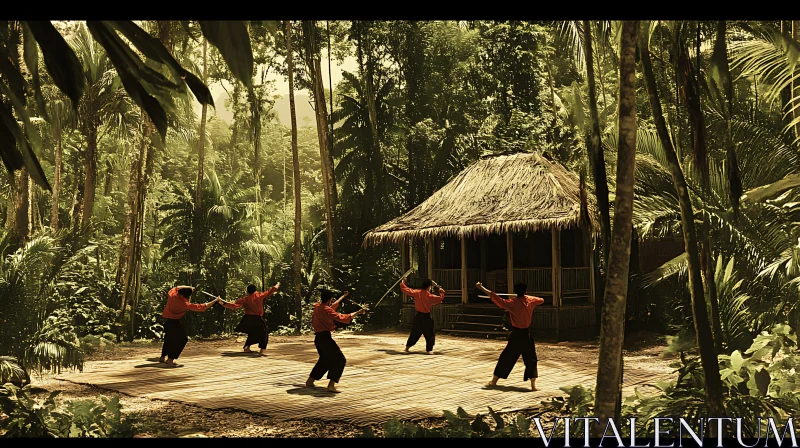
pixel 519 192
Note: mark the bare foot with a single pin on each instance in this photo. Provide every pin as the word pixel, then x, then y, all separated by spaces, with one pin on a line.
pixel 310 383
pixel 534 389
pixel 333 389
pixel 407 349
pixel 162 359
pixel 172 363
pixel 263 352
pixel 430 352
pixel 490 385
pixel 247 350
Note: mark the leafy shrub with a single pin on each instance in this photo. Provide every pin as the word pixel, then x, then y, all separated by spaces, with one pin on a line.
pixel 12 372
pixel 761 382
pixel 458 425
pixel 81 418
pixel 55 346
pixel 26 417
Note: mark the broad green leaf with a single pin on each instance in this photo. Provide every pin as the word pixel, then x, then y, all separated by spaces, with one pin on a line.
pixel 62 64
pixel 154 49
pixel 31 55
pixel 736 360
pixel 29 157
pixel 125 62
pixel 11 156
pixel 233 42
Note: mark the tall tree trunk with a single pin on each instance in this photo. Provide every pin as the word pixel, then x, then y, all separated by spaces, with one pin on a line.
pixel 108 180
pixel 126 270
pixel 795 95
pixel 131 211
pixel 705 341
pixel 196 250
pixel 597 160
pixel 313 64
pixel 89 176
pixel 414 59
pixel 690 92
pixel 298 215
pixel 56 176
pixel 17 217
pixel 612 324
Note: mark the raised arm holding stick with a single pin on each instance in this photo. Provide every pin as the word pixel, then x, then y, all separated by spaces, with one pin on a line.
pixel 424 299
pixel 520 341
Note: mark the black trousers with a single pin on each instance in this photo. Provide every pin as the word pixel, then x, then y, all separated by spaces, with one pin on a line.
pixel 331 358
pixel 520 342
pixel 422 325
pixel 174 339
pixel 256 329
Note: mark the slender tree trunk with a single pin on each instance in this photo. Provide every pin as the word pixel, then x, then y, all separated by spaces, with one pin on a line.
pixel 298 215
pixel 109 179
pixel 690 92
pixel 597 162
pixel 197 241
pixel 612 329
pixel 17 217
pixel 128 260
pixel 795 92
pixel 131 210
pixel 705 341
pixel 90 177
pixel 56 177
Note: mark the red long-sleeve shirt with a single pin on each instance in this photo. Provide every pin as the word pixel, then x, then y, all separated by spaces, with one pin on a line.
pixel 323 317
pixel 520 308
pixel 253 303
pixel 178 305
pixel 423 299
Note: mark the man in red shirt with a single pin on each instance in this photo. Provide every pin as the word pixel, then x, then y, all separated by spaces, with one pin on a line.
pixel 253 322
pixel 520 341
pixel 174 337
pixel 423 323
pixel 331 358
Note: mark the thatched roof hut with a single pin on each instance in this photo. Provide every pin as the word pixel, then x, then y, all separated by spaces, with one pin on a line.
pixel 524 192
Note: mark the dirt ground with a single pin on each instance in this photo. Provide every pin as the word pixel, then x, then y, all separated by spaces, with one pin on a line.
pixel 163 418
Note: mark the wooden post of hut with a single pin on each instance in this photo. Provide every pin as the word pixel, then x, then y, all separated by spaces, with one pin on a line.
pixel 464 285
pixel 510 262
pixel 483 259
pixel 430 244
pixel 556 268
pixel 404 262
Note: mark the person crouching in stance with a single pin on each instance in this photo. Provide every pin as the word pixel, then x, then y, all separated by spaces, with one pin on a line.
pixel 174 337
pixel 253 322
pixel 424 300
pixel 520 341
pixel 331 358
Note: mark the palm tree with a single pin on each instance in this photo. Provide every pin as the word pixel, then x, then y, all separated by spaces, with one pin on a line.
pixel 362 168
pixel 101 100
pixel 59 111
pixel 612 325
pixel 298 215
pixel 195 252
pixel 705 340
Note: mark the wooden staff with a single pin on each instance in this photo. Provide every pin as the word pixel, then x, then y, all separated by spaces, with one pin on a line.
pixel 393 286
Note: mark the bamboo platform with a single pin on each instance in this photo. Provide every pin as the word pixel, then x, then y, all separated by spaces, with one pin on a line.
pixel 380 380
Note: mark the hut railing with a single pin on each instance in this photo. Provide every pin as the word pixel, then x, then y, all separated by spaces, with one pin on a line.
pixel 450 279
pixel 539 280
pixel 575 285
